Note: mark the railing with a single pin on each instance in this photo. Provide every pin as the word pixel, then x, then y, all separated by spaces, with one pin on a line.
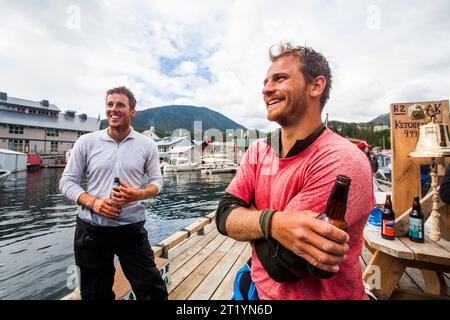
pixel 384 182
pixel 162 249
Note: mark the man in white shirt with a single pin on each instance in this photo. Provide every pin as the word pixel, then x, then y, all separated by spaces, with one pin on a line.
pixel 111 220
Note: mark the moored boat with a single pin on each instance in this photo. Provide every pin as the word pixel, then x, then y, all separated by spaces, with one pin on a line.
pixel 180 165
pixel 4 175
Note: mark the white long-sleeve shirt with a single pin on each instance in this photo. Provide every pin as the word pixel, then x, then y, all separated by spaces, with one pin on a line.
pixel 102 159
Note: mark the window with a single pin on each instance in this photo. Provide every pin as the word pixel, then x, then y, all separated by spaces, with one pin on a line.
pixel 52 133
pixel 19 145
pixel 15 129
pixel 54 146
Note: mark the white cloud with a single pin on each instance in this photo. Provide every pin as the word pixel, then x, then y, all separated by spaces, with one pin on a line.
pixel 186 68
pixel 395 51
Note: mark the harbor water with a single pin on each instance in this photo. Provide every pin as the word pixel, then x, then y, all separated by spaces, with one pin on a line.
pixel 37 226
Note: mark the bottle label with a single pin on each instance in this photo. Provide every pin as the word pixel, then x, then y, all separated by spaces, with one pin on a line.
pixel 388 228
pixel 415 228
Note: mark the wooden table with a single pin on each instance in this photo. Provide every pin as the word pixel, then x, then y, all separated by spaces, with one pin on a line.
pixel 391 258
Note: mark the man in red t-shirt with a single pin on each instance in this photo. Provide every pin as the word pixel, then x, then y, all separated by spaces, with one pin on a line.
pixel 293 173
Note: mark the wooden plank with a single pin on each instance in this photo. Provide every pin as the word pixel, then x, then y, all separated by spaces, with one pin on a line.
pixel 417 277
pixel 157 251
pixel 443 242
pixel 394 248
pixel 191 241
pixel 225 289
pixel 445 223
pixel 405 281
pixel 366 255
pixel 212 216
pixel 121 285
pixel 174 239
pixel 447 281
pixel 182 258
pixel 402 294
pixel 182 273
pixel 196 226
pixel 391 270
pixel 404 136
pixel 192 281
pixel 435 282
pixel 428 251
pixel 408 283
pixel 209 285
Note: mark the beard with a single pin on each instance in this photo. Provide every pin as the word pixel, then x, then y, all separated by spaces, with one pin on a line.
pixel 291 112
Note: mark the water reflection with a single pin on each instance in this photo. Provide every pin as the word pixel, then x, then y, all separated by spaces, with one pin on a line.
pixel 37 226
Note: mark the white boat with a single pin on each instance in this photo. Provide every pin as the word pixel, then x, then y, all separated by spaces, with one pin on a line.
pixel 384 166
pixel 380 192
pixel 181 165
pixel 218 164
pixel 4 175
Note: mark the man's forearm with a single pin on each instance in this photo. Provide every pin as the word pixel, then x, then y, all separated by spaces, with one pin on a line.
pixel 86 200
pixel 243 224
pixel 149 192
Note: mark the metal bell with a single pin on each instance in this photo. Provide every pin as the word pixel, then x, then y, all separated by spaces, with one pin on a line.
pixel 433 141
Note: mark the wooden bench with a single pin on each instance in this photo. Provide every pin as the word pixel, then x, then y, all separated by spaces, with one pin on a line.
pixel 391 258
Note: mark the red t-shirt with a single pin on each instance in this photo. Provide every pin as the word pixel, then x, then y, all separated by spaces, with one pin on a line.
pixel 304 182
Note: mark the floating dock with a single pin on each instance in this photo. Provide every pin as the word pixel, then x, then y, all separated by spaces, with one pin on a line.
pixel 202 265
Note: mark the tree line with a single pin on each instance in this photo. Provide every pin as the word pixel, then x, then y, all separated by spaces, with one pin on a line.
pixel 362 131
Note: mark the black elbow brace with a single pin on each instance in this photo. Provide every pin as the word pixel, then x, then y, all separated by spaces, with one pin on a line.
pixel 227 204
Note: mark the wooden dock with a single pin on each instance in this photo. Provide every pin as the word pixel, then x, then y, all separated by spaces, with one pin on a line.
pixel 203 264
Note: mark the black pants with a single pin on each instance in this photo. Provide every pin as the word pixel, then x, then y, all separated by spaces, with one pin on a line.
pixel 95 248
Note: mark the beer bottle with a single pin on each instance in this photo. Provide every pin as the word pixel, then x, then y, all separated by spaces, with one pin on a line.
pixel 416 230
pixel 116 183
pixel 335 214
pixel 388 220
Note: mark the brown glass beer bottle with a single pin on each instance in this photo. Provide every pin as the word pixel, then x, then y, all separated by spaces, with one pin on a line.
pixel 388 220
pixel 335 214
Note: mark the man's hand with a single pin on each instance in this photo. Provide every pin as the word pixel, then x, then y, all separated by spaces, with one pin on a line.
pixel 318 242
pixel 125 193
pixel 106 208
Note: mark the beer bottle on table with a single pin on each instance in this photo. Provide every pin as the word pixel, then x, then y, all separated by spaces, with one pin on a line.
pixel 334 214
pixel 416 230
pixel 388 220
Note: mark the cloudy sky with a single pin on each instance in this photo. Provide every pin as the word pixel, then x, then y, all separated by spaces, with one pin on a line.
pixel 214 53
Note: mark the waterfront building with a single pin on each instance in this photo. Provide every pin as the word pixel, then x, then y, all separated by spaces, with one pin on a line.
pixel 166 144
pixel 380 127
pixel 40 127
pixel 151 134
pixel 191 153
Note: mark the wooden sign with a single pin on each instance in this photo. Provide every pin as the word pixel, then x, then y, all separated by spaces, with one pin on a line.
pixel 404 136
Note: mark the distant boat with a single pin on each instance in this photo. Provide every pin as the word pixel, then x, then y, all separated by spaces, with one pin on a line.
pixel 180 165
pixel 4 175
pixel 384 166
pixel 34 161
pixel 218 164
